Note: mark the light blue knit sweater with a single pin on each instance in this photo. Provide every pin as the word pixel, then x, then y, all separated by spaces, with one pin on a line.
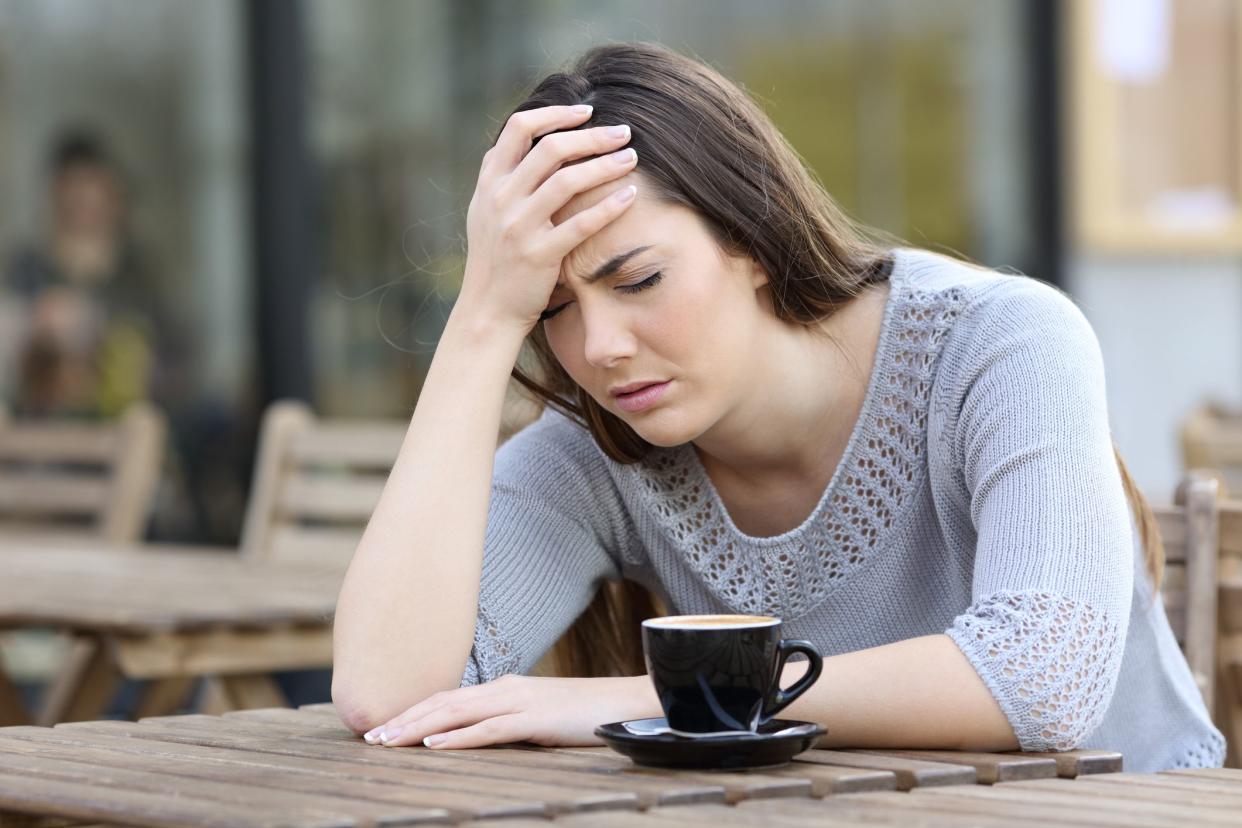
pixel 978 496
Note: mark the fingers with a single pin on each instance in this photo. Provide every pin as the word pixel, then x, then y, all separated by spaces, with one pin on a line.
pixel 568 182
pixel 523 128
pixel 555 150
pixel 495 731
pixel 433 702
pixel 441 713
pixel 582 225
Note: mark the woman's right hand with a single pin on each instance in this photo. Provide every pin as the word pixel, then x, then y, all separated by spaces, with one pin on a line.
pixel 514 249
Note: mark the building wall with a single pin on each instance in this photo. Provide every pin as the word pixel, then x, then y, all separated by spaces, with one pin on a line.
pixel 1171 332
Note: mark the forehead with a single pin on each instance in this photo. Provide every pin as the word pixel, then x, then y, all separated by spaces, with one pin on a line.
pixel 648 221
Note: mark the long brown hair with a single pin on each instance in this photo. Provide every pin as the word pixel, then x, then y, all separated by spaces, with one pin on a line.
pixel 703 144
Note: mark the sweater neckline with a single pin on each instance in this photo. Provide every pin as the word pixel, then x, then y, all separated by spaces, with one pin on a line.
pixel 881 366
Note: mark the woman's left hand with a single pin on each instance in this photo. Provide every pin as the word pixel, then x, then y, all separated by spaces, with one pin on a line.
pixel 543 710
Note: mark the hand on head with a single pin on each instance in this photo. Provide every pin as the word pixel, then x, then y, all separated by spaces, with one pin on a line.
pixel 515 249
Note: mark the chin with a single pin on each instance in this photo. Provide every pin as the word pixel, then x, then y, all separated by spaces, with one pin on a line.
pixel 663 428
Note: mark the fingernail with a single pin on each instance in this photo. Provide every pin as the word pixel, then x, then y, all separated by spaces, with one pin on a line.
pixel 390 735
pixel 626 194
pixel 619 131
pixel 432 741
pixel 583 109
pixel 370 735
pixel 624 156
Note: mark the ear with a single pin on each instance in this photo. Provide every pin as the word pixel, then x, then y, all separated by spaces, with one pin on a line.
pixel 758 276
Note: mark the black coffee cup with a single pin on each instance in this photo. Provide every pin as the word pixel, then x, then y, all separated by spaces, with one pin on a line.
pixel 717 673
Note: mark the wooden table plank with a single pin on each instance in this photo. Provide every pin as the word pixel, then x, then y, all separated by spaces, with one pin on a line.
pixel 902 809
pixel 824 778
pixel 151 587
pixel 809 780
pixel 908 773
pixel 990 768
pixel 1052 803
pixel 792 780
pixel 430 775
pixel 60 789
pixel 382 784
pixel 383 802
pixel 1225 774
pixel 1074 763
pixel 175 776
pixel 1142 787
pixel 667 816
pixel 549 766
pixel 22 796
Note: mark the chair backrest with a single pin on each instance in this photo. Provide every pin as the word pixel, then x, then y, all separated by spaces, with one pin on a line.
pixel 1203 564
pixel 79 478
pixel 317 481
pixel 1212 439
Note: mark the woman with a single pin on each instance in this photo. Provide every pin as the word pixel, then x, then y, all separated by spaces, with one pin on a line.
pixel 755 409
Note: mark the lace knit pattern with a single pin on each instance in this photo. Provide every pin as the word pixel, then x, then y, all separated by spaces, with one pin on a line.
pixel 1054 656
pixel 885 461
pixel 1208 754
pixel 492 654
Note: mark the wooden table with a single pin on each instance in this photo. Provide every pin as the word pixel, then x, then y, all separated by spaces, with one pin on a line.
pixel 282 767
pixel 168 615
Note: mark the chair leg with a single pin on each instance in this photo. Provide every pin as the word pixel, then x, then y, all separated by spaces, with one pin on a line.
pixel 1227 714
pixel 12 706
pixel 84 686
pixel 223 694
pixel 253 691
pixel 163 697
pixel 1233 717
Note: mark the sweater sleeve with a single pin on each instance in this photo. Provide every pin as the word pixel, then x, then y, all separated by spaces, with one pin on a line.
pixel 1053 565
pixel 550 528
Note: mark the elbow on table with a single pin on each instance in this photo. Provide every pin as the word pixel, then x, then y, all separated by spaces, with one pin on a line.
pixel 1069 730
pixel 361 709
pixel 1051 737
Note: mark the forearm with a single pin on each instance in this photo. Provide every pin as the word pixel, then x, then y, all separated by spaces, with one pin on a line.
pixel 920 693
pixel 406 613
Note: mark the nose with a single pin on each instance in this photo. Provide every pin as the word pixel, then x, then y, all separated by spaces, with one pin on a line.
pixel 607 338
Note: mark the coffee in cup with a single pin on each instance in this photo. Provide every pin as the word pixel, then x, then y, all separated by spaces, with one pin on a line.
pixel 721 673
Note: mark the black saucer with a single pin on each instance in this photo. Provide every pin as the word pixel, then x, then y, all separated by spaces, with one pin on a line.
pixel 649 742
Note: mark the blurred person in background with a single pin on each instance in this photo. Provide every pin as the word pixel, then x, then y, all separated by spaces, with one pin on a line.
pixel 97 328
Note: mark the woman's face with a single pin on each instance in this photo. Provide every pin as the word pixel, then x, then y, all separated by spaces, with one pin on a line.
pixel 668 308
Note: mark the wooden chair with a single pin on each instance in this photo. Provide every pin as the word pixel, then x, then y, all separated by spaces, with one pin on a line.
pixel 317 481
pixel 87 479
pixel 1202 595
pixel 1211 438
pixel 69 480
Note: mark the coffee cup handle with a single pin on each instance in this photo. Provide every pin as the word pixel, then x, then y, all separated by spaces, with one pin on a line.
pixel 780 699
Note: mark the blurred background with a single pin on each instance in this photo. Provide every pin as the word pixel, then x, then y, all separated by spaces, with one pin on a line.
pixel 218 205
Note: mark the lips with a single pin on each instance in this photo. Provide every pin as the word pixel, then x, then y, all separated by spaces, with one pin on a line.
pixel 641 397
pixel 632 387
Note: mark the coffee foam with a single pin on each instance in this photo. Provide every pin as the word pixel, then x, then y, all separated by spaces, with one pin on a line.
pixel 714 622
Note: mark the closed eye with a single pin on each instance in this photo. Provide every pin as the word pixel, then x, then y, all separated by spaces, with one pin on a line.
pixel 650 282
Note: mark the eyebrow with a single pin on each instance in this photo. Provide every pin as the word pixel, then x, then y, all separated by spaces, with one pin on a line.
pixel 611 266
